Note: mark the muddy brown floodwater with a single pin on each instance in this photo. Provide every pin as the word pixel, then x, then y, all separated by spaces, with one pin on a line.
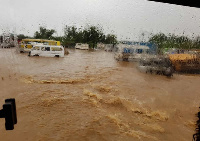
pixel 88 96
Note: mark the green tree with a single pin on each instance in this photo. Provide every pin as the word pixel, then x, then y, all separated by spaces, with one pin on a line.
pixel 90 34
pixel 172 41
pixel 44 33
pixel 70 35
pixel 94 35
pixel 58 38
pixel 22 36
pixel 159 39
pixel 111 39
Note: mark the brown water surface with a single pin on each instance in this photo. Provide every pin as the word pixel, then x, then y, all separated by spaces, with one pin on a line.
pixel 87 95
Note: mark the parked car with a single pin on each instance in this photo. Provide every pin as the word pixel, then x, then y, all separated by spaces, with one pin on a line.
pixel 156 64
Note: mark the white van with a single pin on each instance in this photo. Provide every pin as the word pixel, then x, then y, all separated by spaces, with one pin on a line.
pixel 81 46
pixel 47 51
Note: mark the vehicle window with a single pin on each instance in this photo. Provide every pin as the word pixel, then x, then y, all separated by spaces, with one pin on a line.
pixel 45 48
pixel 56 49
pixel 139 51
pixel 131 50
pixel 36 48
pixel 100 70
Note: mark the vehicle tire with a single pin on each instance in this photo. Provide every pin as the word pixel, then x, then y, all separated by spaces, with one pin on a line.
pixel 125 59
pixel 57 56
pixel 151 71
pixel 169 72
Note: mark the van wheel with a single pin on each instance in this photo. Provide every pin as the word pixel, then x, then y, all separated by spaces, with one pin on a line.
pixel 56 55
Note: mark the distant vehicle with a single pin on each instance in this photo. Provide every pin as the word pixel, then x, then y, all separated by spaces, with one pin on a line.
pixel 156 64
pixel 109 47
pixel 189 61
pixel 82 46
pixel 131 52
pixel 100 46
pixel 8 40
pixel 47 51
pixel 27 44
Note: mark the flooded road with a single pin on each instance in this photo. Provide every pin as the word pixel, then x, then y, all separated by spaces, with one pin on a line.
pixel 90 96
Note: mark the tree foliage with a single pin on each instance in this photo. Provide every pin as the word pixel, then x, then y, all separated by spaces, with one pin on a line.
pixel 72 35
pixel 174 41
pixel 111 39
pixel 91 35
pixel 44 33
pixel 22 36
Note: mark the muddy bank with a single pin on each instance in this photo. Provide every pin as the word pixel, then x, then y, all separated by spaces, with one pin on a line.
pixel 90 96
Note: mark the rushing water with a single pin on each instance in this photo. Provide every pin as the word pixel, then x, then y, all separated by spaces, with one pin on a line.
pixel 87 95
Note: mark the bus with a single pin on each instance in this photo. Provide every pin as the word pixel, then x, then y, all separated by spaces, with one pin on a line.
pixel 27 44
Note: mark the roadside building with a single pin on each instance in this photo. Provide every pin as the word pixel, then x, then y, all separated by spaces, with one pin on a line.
pixel 152 47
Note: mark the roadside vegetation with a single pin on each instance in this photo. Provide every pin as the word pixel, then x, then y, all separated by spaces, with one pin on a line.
pixel 173 41
pixel 72 35
pixel 94 34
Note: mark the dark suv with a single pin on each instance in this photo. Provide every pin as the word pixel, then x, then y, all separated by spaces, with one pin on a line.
pixel 154 64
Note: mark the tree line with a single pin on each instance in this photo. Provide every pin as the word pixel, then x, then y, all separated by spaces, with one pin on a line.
pixel 72 35
pixel 94 34
pixel 174 41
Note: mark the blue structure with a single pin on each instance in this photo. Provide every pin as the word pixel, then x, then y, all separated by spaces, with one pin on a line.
pixel 128 50
pixel 152 47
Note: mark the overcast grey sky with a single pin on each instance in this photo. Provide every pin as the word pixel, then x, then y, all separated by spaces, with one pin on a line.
pixel 125 18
